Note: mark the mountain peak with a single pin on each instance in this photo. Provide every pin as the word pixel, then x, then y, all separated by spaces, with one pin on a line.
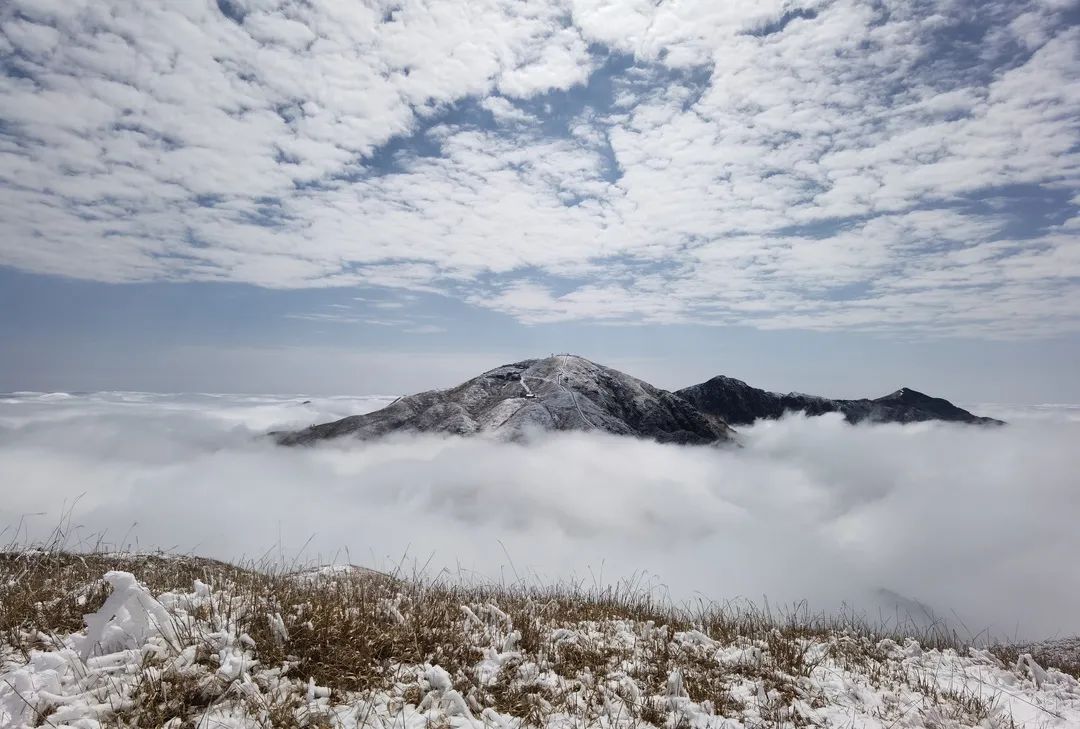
pixel 559 392
pixel 737 403
pixel 906 393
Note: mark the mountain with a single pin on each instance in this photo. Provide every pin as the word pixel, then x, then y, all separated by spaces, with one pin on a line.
pixel 561 392
pixel 737 403
pixel 565 392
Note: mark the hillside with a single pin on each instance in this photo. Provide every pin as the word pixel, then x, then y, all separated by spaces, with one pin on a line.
pixel 135 641
pixel 561 392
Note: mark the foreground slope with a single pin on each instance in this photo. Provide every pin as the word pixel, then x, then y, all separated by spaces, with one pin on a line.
pixel 738 403
pixel 561 392
pixel 127 641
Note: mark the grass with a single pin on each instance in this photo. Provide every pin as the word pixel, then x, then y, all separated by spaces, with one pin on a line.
pixel 572 649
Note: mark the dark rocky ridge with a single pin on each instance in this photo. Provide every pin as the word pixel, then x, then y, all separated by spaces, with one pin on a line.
pixel 737 403
pixel 561 392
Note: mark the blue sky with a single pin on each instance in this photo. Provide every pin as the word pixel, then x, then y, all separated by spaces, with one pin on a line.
pixel 841 197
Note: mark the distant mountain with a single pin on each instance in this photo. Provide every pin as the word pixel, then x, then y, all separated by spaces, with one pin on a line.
pixel 562 392
pixel 737 403
pixel 566 392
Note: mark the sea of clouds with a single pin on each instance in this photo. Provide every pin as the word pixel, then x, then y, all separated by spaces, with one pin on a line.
pixel 978 525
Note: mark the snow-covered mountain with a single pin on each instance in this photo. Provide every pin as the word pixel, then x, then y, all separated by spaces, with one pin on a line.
pixel 561 392
pixel 567 392
pixel 737 403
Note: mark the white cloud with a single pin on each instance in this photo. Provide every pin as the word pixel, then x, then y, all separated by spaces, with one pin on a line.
pixel 32 38
pixel 156 141
pixel 561 61
pixel 505 112
pixel 810 509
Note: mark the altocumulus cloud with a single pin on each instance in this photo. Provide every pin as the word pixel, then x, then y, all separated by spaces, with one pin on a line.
pixel 973 523
pixel 900 166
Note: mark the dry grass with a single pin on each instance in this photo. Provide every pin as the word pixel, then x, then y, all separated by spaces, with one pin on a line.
pixel 47 592
pixel 1063 654
pixel 364 632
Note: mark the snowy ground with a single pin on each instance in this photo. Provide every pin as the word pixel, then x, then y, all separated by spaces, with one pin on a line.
pixel 234 652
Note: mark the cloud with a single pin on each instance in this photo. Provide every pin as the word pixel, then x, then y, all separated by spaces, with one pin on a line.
pixel 808 508
pixel 814 166
pixel 561 61
pixel 505 112
pixel 362 314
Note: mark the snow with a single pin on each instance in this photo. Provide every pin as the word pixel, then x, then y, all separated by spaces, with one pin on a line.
pixel 83 679
pixel 315 574
pixel 128 618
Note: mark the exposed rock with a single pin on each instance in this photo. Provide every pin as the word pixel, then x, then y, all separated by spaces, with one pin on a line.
pixel 737 403
pixel 562 392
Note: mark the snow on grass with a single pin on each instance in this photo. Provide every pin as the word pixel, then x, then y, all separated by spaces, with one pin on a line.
pixel 122 640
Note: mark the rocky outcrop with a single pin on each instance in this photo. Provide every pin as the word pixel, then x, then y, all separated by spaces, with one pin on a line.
pixel 737 403
pixel 562 392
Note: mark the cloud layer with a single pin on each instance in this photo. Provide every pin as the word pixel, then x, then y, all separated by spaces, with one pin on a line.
pixel 898 166
pixel 976 521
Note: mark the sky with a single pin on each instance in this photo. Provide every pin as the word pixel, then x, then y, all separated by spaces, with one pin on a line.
pixel 381 197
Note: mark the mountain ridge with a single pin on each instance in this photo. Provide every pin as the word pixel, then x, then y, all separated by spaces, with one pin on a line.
pixel 738 403
pixel 560 392
pixel 570 393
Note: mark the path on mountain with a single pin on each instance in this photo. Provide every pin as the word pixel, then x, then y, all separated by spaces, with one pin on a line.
pixel 525 386
pixel 573 395
pixel 558 382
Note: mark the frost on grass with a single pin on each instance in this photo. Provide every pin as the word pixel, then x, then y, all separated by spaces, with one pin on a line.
pixel 119 641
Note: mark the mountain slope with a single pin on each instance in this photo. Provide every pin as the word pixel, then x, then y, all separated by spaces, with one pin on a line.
pixel 737 403
pixel 159 647
pixel 562 392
